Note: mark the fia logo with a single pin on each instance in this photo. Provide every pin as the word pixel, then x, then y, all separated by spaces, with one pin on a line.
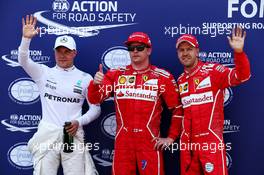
pixel 60 6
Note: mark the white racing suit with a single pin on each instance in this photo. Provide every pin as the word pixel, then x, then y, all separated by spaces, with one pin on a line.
pixel 46 149
pixel 62 93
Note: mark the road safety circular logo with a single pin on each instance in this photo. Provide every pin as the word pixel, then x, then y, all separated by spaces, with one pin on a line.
pixel 108 125
pixel 116 57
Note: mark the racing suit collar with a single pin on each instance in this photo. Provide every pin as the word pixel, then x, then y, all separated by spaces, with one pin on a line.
pixel 194 70
pixel 65 69
pixel 139 71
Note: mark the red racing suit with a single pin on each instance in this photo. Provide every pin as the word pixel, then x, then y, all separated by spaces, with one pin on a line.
pixel 202 96
pixel 138 97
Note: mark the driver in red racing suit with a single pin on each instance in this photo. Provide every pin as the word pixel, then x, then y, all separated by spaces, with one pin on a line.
pixel 139 90
pixel 202 87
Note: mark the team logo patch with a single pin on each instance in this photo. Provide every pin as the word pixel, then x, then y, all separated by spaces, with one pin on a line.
pixel 120 94
pixel 128 80
pixel 136 94
pixel 145 77
pixel 197 99
pixel 78 91
pixel 209 167
pixel 131 79
pixel 122 80
pixel 79 83
pixel 64 40
pixel 143 164
pixel 205 83
pixel 151 82
pixel 184 88
pixel 196 81
pixel 78 88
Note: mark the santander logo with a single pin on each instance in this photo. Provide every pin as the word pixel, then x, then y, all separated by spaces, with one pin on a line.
pixel 197 99
pixel 139 94
pixel 120 94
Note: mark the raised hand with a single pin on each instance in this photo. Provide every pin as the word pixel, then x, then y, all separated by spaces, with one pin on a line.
pixel 29 30
pixel 237 40
pixel 99 76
